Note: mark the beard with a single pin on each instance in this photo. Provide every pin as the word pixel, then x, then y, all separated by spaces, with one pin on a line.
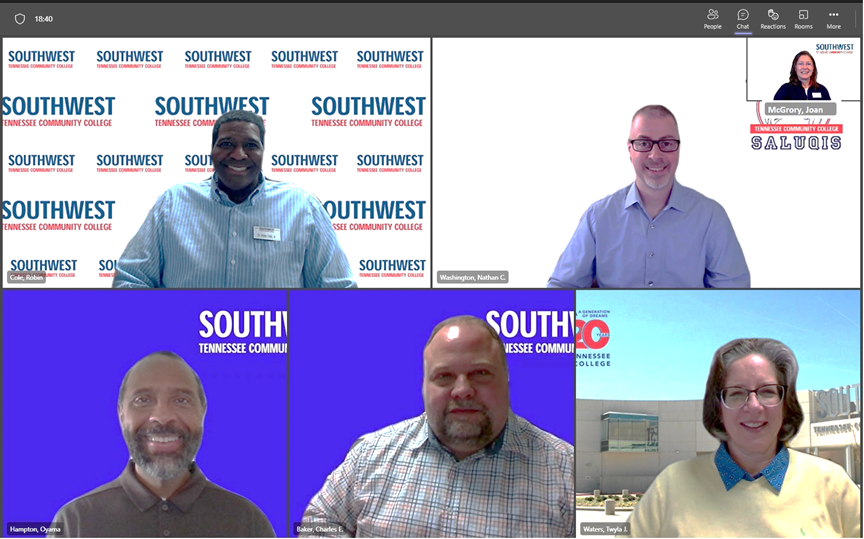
pixel 658 183
pixel 655 182
pixel 164 466
pixel 469 432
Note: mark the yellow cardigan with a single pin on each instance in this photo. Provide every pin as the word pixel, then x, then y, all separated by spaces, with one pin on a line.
pixel 688 499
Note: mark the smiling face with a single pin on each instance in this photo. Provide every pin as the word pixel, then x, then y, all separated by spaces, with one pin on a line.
pixel 654 169
pixel 465 388
pixel 237 157
pixel 804 68
pixel 162 417
pixel 753 429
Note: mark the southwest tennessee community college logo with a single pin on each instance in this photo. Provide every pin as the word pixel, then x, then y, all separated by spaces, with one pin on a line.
pixel 533 332
pixel 592 335
pixel 835 48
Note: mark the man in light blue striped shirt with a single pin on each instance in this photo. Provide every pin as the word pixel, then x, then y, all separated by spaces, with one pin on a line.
pixel 467 467
pixel 236 229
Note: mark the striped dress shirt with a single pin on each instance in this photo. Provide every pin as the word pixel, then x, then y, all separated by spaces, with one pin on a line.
pixel 400 482
pixel 196 237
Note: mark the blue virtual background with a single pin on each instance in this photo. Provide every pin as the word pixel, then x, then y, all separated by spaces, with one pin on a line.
pixel 356 366
pixel 64 356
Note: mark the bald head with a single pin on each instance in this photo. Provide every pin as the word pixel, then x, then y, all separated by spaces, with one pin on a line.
pixel 463 321
pixel 155 362
pixel 652 112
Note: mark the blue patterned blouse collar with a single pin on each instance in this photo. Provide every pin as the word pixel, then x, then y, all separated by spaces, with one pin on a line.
pixel 731 473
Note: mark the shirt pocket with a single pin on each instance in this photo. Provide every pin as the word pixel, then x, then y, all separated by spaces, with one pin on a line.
pixel 280 263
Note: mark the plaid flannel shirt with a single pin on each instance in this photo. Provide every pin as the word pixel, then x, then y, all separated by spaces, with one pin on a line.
pixel 401 482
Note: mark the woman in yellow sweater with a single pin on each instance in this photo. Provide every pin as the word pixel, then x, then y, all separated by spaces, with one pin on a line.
pixel 753 486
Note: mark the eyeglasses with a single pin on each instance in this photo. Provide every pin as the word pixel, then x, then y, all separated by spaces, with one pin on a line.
pixel 644 145
pixel 736 397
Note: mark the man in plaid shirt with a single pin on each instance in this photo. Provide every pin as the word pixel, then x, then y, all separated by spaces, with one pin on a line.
pixel 467 467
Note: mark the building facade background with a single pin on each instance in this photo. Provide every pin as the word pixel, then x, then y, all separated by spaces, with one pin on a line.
pixel 831 430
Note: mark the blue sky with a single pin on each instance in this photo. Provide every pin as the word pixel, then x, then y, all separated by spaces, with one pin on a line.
pixel 661 342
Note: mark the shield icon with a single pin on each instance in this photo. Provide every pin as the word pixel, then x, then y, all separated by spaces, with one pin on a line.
pixel 19 18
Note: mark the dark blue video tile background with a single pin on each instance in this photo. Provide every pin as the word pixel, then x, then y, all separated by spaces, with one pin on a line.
pixel 64 356
pixel 356 366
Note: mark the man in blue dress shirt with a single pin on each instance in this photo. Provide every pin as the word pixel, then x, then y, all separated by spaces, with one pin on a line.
pixel 236 229
pixel 655 233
